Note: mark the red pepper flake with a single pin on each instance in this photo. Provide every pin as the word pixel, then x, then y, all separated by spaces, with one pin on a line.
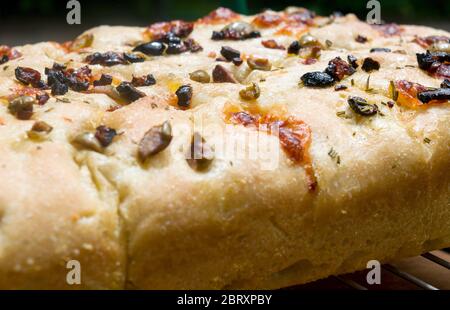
pixel 179 28
pixel 389 30
pixel 294 135
pixel 272 44
pixel 219 16
pixel 267 20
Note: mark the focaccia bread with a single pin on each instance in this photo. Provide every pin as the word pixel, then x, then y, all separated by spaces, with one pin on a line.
pixel 231 152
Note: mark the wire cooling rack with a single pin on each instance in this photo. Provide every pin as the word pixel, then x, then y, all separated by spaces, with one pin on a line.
pixel 430 271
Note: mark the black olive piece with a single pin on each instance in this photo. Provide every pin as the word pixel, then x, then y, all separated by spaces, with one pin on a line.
pixel 237 61
pixel 353 61
pixel 217 35
pixel 445 83
pixel 184 94
pixel 222 75
pixel 4 59
pixel 340 87
pixel 436 94
pixel 107 59
pixel 200 155
pixel 155 140
pixel 79 86
pixel 104 80
pixel 176 48
pixel 146 80
pixel 426 60
pixel 129 92
pixel 170 38
pixel 317 79
pixel 58 67
pixel 153 48
pixel 192 45
pixel 229 53
pixel 360 106
pixel 380 50
pixel 370 65
pixel 361 39
pixel 54 75
pixel 59 88
pixel 105 135
pixel 133 58
pixel 294 48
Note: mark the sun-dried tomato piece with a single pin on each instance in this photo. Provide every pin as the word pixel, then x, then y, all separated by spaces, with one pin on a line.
pixel 219 16
pixel 192 45
pixel 294 134
pixel 408 94
pixel 267 20
pixel 426 42
pixel 339 68
pixel 29 76
pixel 272 44
pixel 145 80
pixel 389 30
pixel 301 16
pixel 179 28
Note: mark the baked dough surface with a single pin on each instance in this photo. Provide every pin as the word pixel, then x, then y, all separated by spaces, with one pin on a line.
pixel 163 225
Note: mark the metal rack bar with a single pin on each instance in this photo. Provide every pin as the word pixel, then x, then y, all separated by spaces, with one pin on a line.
pixel 351 283
pixel 409 277
pixel 437 260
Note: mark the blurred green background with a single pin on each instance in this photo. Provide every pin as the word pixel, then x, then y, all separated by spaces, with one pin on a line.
pixel 27 21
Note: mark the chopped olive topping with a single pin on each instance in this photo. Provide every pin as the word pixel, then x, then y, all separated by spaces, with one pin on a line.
pixel 380 50
pixel 338 68
pixel 42 98
pixel 236 31
pixel 176 48
pixel 294 48
pixel 145 80
pixel 82 41
pixel 436 94
pixel 108 59
pixel 317 79
pixel 133 58
pixel 105 135
pixel 353 61
pixel 153 48
pixel 184 95
pixel 104 80
pixel 370 65
pixel 87 140
pixel 436 63
pixel 256 63
pixel 178 28
pixel 200 76
pixel 445 83
pixel 251 92
pixel 200 155
pixel 192 45
pixel 230 53
pixel 308 40
pixel 4 59
pixel 237 61
pixel 361 39
pixel 360 106
pixel 222 75
pixel 22 107
pixel 340 87
pixel 59 89
pixel 29 76
pixel 155 140
pixel 39 130
pixel 129 92
pixel 272 44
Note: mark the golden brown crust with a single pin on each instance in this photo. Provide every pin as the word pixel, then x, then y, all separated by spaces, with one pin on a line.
pixel 382 183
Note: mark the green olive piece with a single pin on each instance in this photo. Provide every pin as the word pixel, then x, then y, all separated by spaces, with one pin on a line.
pixel 155 140
pixel 87 140
pixel 22 107
pixel 308 40
pixel 39 131
pixel 82 41
pixel 200 76
pixel 256 63
pixel 251 92
pixel 200 155
pixel 440 47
